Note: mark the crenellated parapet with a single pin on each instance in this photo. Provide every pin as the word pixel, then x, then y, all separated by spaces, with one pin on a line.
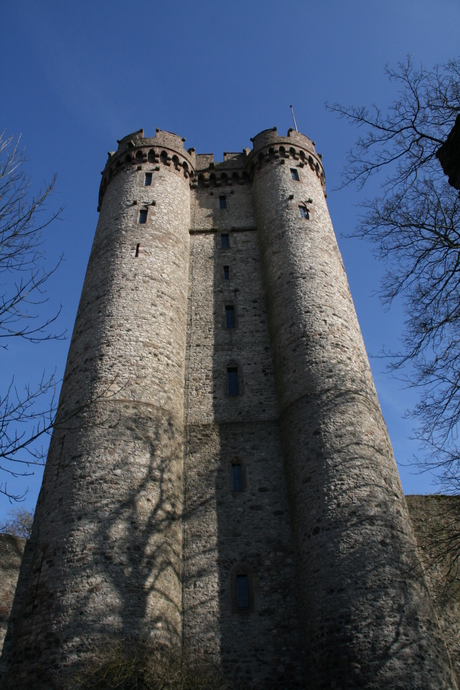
pixel 270 148
pixel 135 151
pixel 213 177
pixel 210 173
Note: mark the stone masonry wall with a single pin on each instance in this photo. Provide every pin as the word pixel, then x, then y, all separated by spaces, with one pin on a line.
pixel 360 584
pixel 436 521
pixel 230 531
pixel 433 518
pixel 106 544
pixel 11 551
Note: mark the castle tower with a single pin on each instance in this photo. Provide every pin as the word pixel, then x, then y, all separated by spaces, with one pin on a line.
pixel 220 476
pixel 366 619
pixel 107 541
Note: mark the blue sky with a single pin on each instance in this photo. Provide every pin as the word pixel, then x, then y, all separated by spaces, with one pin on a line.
pixel 76 77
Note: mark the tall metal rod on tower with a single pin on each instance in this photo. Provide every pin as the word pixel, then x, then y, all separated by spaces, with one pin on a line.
pixel 293 117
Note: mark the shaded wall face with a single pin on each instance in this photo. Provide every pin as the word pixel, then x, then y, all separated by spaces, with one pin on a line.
pixel 229 532
pixel 360 584
pixel 316 338
pixel 433 517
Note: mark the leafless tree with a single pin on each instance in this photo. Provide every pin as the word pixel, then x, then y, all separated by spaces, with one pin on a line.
pixel 27 415
pixel 414 225
pixel 19 523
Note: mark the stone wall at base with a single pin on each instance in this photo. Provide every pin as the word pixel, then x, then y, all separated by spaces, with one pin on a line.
pixel 436 523
pixel 11 550
pixel 434 518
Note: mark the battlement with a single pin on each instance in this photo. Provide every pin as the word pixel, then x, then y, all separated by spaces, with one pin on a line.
pixel 271 136
pixel 203 170
pixel 161 138
pixel 204 160
pixel 269 146
pixel 164 148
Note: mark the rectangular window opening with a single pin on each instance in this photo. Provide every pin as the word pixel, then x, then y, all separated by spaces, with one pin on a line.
pixel 148 179
pixel 142 216
pixel 233 387
pixel 222 202
pixel 225 241
pixel 242 591
pixel 295 174
pixel 237 478
pixel 137 250
pixel 226 272
pixel 229 316
pixel 304 212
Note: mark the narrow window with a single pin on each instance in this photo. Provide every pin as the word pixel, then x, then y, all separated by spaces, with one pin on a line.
pixel 229 316
pixel 137 251
pixel 148 179
pixel 237 477
pixel 242 591
pixel 304 212
pixel 142 216
pixel 226 272
pixel 295 174
pixel 233 388
pixel 222 202
pixel 225 241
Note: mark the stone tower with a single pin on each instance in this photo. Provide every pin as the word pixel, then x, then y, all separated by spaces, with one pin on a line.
pixel 220 477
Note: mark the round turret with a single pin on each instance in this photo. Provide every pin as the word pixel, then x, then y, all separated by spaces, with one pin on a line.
pixel 105 555
pixel 356 556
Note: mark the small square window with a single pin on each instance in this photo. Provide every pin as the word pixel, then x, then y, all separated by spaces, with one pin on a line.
pixel 148 179
pixel 304 212
pixel 295 174
pixel 222 202
pixel 142 216
pixel 233 388
pixel 225 241
pixel 226 272
pixel 237 477
pixel 242 591
pixel 229 316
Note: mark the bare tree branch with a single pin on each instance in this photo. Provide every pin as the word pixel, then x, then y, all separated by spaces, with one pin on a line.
pixel 19 524
pixel 26 416
pixel 414 225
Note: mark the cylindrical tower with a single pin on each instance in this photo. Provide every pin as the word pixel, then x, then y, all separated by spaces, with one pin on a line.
pixel 366 615
pixel 105 555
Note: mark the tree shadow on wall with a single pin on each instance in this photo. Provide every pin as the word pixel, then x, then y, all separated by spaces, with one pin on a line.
pixel 228 531
pixel 134 551
pixel 114 543
pixel 368 610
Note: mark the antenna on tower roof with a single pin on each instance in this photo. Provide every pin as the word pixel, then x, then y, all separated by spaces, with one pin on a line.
pixel 293 117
